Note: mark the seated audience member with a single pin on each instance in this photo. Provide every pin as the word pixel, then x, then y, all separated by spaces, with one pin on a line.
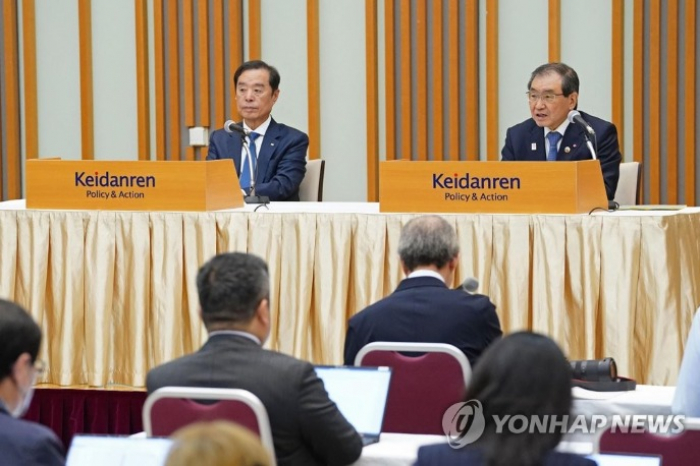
pixel 218 443
pixel 522 374
pixel 552 93
pixel 307 428
pixel 22 443
pixel 277 151
pixel 687 397
pixel 423 308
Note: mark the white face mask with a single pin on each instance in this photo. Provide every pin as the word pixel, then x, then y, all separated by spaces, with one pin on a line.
pixel 23 407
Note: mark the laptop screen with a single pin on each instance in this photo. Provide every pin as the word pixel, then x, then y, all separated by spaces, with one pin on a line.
pixel 359 392
pixel 105 450
pixel 624 459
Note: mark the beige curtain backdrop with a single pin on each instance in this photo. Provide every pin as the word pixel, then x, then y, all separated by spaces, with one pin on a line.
pixel 115 292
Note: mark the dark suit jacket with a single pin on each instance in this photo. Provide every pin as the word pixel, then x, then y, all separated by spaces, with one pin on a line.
pixel 24 443
pixel 425 310
pixel 444 455
pixel 281 161
pixel 307 428
pixel 521 137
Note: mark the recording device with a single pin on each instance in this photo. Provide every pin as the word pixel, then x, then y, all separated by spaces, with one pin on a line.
pixel 232 127
pixel 599 375
pixel 595 370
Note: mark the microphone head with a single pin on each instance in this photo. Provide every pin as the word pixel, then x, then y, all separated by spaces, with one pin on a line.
pixel 232 127
pixel 470 285
pixel 573 114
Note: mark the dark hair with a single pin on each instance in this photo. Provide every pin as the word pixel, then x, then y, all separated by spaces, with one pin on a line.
pixel 569 78
pixel 427 240
pixel 259 65
pixel 522 374
pixel 18 334
pixel 231 286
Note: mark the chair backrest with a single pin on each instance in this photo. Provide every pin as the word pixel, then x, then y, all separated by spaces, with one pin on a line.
pixel 629 186
pixel 422 387
pixel 676 450
pixel 169 408
pixel 311 187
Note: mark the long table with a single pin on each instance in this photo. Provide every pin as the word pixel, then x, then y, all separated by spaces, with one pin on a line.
pixel 115 294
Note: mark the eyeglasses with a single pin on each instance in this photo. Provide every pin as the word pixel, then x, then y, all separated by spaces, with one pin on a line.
pixel 39 367
pixel 546 98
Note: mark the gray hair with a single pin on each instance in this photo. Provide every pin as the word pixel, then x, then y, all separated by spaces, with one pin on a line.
pixel 427 240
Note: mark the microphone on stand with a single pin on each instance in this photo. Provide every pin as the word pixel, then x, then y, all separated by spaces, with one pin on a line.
pixel 469 285
pixel 232 127
pixel 575 117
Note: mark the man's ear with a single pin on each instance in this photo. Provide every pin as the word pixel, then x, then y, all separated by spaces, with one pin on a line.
pixel 573 100
pixel 263 312
pixel 20 367
pixel 453 263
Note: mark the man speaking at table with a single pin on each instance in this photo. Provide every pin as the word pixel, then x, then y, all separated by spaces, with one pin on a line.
pixel 550 135
pixel 277 152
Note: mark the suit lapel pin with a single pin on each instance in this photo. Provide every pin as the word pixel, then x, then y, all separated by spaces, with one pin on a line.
pixel 533 146
pixel 567 149
pixel 272 144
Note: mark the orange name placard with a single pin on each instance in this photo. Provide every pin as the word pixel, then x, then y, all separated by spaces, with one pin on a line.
pixel 491 187
pixel 137 185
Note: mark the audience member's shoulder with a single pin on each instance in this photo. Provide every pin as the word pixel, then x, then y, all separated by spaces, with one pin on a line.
pixel 474 300
pixel 286 361
pixel 27 429
pixel 34 439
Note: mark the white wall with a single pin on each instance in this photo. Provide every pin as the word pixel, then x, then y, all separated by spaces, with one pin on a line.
pixel 522 46
pixel 284 47
pixel 114 79
pixel 58 79
pixel 343 100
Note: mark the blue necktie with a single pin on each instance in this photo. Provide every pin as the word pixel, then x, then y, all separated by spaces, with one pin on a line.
pixel 553 137
pixel 245 172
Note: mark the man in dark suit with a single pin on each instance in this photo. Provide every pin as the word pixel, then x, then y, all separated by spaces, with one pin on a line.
pixel 278 151
pixel 22 442
pixel 553 93
pixel 423 308
pixel 307 428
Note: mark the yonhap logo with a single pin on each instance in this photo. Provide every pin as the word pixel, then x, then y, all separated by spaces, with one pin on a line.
pixel 463 423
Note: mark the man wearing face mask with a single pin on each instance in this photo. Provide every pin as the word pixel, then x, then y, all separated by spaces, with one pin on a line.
pixel 22 442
